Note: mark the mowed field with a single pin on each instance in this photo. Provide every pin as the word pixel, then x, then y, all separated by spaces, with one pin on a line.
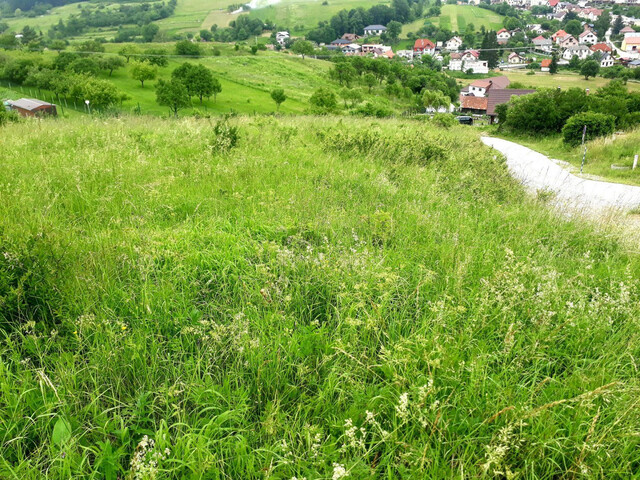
pixel 247 81
pixel 457 17
pixel 562 80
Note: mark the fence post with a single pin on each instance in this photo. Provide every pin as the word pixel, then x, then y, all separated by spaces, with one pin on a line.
pixel 635 162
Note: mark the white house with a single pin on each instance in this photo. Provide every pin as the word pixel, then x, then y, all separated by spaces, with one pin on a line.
pixel 351 49
pixel 371 47
pixel 478 66
pixel 282 37
pixel 406 54
pixel 453 44
pixel 468 61
pixel 568 42
pixel 581 51
pixel 515 58
pixel 455 62
pixel 535 28
pixel 542 44
pixel 606 61
pixel 588 38
pixel 503 36
pixel 424 46
pixel 374 30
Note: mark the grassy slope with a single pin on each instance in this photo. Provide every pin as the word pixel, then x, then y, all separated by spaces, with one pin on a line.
pixel 247 81
pixel 242 308
pixel 601 154
pixel 457 17
pixel 44 22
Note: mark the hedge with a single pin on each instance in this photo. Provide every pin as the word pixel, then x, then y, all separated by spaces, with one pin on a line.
pixel 598 125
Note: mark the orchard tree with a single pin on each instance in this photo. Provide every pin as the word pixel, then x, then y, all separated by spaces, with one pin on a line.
pixel 188 48
pixel 156 56
pixel 602 24
pixel 323 100
pixel 370 80
pixel 143 71
pixel 110 63
pixel 302 47
pixel 198 80
pixel 590 68
pixel 129 51
pixel 344 73
pixel 278 96
pixel 172 94
pixel 149 31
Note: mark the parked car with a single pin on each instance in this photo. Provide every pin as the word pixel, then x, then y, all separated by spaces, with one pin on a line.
pixel 464 120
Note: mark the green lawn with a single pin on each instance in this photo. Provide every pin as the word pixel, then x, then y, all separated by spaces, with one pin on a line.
pixel 302 297
pixel 457 17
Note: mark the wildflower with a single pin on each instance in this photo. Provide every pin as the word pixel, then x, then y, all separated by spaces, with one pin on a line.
pixel 402 409
pixel 339 472
pixel 124 327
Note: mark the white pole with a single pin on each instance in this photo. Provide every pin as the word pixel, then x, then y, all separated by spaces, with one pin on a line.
pixel 635 162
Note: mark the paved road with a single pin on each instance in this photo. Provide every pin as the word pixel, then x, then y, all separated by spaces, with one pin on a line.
pixel 539 173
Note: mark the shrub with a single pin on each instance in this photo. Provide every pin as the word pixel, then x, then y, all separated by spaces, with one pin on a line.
pixel 598 125
pixel 445 120
pixel 7 116
pixel 323 100
pixel 371 110
pixel 225 136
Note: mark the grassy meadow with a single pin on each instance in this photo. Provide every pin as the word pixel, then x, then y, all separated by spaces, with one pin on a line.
pixel 603 152
pixel 457 17
pixel 246 79
pixel 319 298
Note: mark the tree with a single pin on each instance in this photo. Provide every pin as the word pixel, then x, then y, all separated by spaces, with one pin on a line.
pixel 206 35
pixel 435 99
pixel 187 48
pixel 553 67
pixel 369 80
pixel 172 94
pixel 156 56
pixel 4 26
pixel 602 24
pixel 129 51
pixel 573 27
pixel 617 25
pixel 254 49
pixel 201 82
pixel 149 31
pixel 302 47
pixel 489 49
pixel 217 88
pixel 352 95
pixel 110 63
pixel 143 71
pixel 590 68
pixel 344 73
pixel 393 30
pixel 323 100
pixel 278 96
pixel 28 34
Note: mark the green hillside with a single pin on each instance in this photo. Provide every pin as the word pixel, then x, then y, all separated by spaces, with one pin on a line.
pixel 320 298
pixel 457 17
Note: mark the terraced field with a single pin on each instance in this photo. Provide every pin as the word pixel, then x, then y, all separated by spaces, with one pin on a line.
pixel 457 17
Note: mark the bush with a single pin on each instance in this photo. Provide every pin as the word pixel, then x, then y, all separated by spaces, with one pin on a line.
pixel 371 110
pixel 598 125
pixel 7 116
pixel 445 120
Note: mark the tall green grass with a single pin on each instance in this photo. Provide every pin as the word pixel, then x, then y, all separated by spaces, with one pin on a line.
pixel 308 298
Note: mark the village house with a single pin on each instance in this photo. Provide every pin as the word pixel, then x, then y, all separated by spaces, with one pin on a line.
pixel 487 105
pixel 383 51
pixel 559 36
pixel 351 49
pixel 590 14
pixel 424 46
pixel 580 51
pixel 515 59
pixel 481 88
pixel 631 43
pixel 626 30
pixel 503 36
pixel 371 47
pixel 31 107
pixel 453 44
pixel 545 65
pixel 601 47
pixel 352 37
pixel 542 44
pixel 374 30
pixel 406 54
pixel 455 62
pixel 282 37
pixel 587 38
pixel 568 42
pixel 535 28
pixel 606 61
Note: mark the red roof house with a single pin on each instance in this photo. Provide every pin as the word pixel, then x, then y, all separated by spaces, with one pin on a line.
pixel 424 45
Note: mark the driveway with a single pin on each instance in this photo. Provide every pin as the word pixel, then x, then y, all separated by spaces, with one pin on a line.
pixel 538 173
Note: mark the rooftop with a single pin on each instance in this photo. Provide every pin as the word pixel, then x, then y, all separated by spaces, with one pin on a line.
pixel 503 95
pixel 29 103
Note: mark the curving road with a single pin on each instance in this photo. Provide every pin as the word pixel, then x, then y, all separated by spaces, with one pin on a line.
pixel 538 173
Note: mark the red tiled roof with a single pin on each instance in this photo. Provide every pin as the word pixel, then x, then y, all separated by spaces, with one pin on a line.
pixel 632 41
pixel 539 37
pixel 546 62
pixel 553 3
pixel 586 32
pixel 481 83
pixel 601 47
pixel 627 30
pixel 423 43
pixel 500 31
pixel 500 82
pixel 502 95
pixel 474 103
pixel 560 33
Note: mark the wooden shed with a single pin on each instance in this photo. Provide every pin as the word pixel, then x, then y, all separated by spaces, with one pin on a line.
pixel 31 107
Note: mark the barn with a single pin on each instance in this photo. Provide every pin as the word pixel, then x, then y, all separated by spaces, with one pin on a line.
pixel 31 107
